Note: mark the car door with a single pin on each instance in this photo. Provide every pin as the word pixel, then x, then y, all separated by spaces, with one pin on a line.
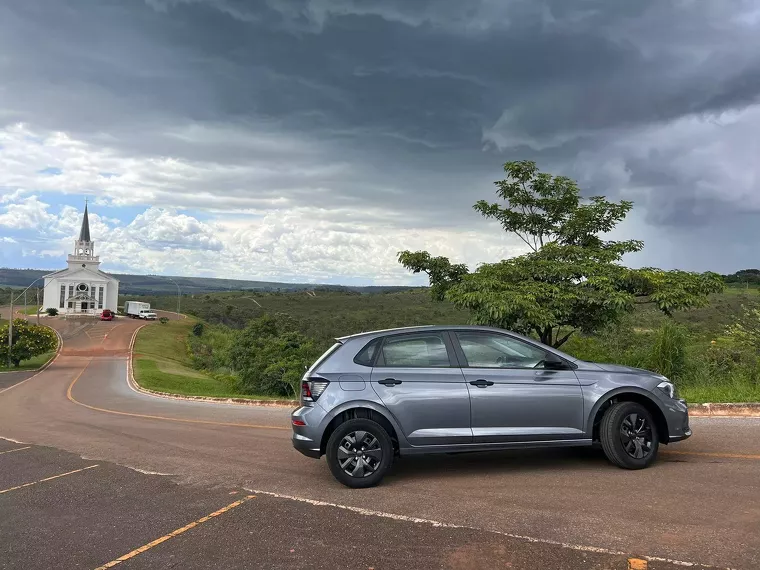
pixel 417 377
pixel 513 396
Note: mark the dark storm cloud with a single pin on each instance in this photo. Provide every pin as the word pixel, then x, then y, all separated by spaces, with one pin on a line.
pixel 411 105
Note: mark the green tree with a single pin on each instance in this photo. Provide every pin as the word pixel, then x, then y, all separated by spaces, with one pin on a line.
pixel 572 279
pixel 746 331
pixel 28 341
pixel 269 360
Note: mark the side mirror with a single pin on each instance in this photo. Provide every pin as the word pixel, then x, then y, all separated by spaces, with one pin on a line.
pixel 554 362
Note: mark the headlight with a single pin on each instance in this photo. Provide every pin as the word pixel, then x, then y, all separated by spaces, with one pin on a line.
pixel 668 388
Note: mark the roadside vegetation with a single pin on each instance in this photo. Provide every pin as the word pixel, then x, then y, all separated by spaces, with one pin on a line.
pixel 569 290
pixel 31 348
pixel 163 363
pixel 694 347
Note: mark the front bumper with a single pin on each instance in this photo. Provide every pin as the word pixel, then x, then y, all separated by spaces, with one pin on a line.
pixel 677 417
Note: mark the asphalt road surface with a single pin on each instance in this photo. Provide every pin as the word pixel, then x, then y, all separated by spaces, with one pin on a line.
pixel 700 503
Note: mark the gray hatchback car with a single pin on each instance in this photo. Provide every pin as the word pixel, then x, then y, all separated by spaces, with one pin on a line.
pixel 450 389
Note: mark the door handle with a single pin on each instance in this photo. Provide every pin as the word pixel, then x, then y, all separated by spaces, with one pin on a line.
pixel 480 383
pixel 389 382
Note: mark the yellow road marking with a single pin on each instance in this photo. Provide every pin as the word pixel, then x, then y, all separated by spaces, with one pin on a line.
pixel 637 564
pixel 174 533
pixel 17 449
pixel 164 418
pixel 47 479
pixel 711 454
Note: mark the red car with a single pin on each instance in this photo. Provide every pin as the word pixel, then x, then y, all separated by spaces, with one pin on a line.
pixel 106 315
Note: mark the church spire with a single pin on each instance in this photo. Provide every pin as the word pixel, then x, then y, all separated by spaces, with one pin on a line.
pixel 84 234
pixel 84 247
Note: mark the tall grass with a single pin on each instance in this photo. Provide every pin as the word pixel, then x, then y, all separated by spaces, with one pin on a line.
pixel 668 352
pixel 704 369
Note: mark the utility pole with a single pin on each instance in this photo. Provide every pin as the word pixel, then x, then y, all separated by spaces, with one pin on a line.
pixel 10 332
pixel 38 304
pixel 10 321
pixel 179 295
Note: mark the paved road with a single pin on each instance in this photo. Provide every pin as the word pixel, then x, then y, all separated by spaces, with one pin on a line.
pixel 699 503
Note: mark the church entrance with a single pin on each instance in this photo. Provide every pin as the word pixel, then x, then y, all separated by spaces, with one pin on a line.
pixel 82 304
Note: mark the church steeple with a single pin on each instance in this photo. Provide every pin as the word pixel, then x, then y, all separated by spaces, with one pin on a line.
pixel 84 233
pixel 84 247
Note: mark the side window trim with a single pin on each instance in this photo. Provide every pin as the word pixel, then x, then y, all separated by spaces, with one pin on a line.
pixel 463 359
pixel 450 353
pixel 378 350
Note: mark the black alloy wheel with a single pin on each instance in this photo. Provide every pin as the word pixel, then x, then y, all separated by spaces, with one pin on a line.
pixel 359 452
pixel 636 436
pixel 629 435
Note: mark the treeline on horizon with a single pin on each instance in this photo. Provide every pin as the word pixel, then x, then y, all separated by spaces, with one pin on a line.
pixel 147 285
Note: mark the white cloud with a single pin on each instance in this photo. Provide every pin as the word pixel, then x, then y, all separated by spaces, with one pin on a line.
pixel 200 218
pixel 30 213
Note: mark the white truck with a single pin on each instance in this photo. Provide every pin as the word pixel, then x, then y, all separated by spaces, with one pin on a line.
pixel 139 310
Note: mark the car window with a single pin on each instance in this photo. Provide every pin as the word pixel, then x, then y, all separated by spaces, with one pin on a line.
pixel 484 350
pixel 366 355
pixel 415 351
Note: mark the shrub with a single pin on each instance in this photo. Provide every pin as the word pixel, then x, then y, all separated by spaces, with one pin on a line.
pixel 269 360
pixel 211 350
pixel 51 311
pixel 28 341
pixel 746 330
pixel 668 356
pixel 198 329
pixel 163 320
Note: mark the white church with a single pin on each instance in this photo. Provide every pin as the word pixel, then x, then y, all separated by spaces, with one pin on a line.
pixel 81 288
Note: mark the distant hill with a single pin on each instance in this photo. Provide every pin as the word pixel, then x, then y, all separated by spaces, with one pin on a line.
pixel 158 285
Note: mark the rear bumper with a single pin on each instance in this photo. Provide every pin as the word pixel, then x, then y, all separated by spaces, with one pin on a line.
pixel 307 438
pixel 306 446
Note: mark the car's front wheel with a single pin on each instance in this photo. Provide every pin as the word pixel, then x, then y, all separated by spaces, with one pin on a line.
pixel 629 435
pixel 359 452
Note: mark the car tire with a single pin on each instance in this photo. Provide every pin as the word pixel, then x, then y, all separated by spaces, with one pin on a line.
pixel 629 435
pixel 347 453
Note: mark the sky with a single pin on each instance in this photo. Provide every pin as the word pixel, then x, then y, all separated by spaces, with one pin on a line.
pixel 312 140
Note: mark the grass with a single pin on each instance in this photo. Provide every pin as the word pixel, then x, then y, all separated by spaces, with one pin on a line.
pixel 733 392
pixel 29 310
pixel 163 365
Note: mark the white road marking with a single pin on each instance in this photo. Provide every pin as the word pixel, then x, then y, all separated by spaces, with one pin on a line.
pixel 144 472
pixel 532 539
pixel 13 440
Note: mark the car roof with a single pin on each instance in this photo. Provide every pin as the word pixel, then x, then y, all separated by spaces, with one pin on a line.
pixel 426 328
pixel 429 328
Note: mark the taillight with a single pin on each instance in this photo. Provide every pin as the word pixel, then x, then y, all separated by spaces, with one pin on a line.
pixel 312 388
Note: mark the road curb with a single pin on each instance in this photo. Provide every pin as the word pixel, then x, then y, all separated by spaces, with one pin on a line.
pixel 208 399
pixel 748 410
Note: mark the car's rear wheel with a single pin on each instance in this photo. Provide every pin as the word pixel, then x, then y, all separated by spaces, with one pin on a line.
pixel 629 435
pixel 359 452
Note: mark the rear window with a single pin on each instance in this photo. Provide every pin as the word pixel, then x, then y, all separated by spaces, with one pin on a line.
pixel 366 356
pixel 322 358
